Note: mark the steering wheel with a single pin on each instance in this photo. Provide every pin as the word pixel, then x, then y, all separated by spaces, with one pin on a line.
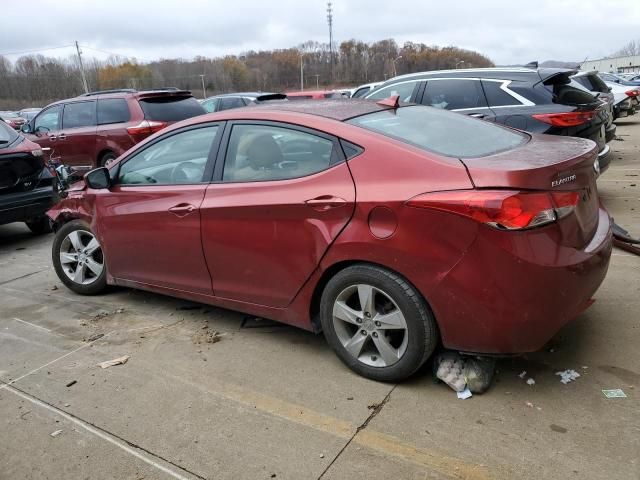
pixel 186 172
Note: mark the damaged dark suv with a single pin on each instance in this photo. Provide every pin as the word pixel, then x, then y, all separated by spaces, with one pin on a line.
pixel 26 183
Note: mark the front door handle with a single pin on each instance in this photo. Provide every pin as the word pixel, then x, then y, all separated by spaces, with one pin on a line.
pixel 477 115
pixel 182 209
pixel 62 136
pixel 325 202
pixel 52 137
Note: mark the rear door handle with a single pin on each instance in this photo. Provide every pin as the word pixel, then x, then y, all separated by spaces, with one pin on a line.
pixel 182 209
pixel 477 115
pixel 62 136
pixel 52 137
pixel 325 202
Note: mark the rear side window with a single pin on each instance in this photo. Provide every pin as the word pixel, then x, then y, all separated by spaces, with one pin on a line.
pixel 361 92
pixel 454 94
pixel 227 103
pixel 113 110
pixel 496 96
pixel 170 109
pixel 80 114
pixel 446 133
pixel 333 95
pixel 597 85
pixel 299 97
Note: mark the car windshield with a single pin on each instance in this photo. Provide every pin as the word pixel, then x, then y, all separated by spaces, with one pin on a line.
pixel 9 115
pixel 446 133
pixel 7 135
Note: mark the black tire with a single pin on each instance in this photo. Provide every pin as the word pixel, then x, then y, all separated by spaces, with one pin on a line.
pixel 107 158
pixel 421 329
pixel 40 225
pixel 98 284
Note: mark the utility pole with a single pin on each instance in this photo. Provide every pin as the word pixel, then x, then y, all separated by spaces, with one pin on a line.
pixel 301 72
pixel 330 22
pixel 204 91
pixel 84 78
pixel 317 85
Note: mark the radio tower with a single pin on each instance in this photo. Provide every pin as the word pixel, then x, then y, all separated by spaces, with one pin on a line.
pixel 330 22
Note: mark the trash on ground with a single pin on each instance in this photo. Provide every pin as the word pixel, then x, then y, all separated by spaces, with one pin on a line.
pixel 523 374
pixel 460 373
pixel 119 310
pixel 614 393
pixel 529 404
pixel 56 433
pixel 116 361
pixel 207 336
pixel 567 376
pixel 95 337
pixel 55 287
pixel 72 383
pixel 531 381
pixel 463 395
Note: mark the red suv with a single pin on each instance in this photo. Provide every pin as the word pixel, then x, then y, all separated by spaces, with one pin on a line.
pixel 94 129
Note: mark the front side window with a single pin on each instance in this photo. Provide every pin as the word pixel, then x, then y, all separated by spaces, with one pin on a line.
pixel 361 92
pixel 113 110
pixel 262 153
pixel 403 90
pixel 446 133
pixel 174 160
pixel 452 94
pixel 49 120
pixel 80 114
pixel 210 105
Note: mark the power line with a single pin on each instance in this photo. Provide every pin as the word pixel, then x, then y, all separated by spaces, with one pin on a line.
pixel 37 50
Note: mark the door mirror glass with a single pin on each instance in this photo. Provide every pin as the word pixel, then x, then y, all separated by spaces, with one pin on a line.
pixel 26 128
pixel 98 178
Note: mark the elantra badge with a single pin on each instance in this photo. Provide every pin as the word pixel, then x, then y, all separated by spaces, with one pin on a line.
pixel 563 180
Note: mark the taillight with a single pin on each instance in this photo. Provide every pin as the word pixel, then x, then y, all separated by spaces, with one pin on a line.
pixel 565 119
pixel 501 209
pixel 146 127
pixel 632 93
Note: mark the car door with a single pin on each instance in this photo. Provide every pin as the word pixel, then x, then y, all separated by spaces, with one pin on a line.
pixel 464 95
pixel 281 195
pixel 43 130
pixel 76 143
pixel 149 220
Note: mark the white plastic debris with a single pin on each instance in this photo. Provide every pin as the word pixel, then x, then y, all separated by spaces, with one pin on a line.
pixel 567 376
pixel 531 381
pixel 450 371
pixel 56 433
pixel 614 393
pixel 463 395
pixel 116 361
pixel 522 375
pixel 529 404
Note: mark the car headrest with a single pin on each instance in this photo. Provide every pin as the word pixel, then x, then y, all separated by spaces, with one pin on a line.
pixel 264 152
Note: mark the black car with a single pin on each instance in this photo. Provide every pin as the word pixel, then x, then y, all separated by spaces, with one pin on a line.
pixel 26 183
pixel 538 100
pixel 592 82
pixel 227 101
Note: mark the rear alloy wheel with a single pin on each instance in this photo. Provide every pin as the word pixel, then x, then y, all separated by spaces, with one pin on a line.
pixel 377 323
pixel 39 225
pixel 107 159
pixel 78 259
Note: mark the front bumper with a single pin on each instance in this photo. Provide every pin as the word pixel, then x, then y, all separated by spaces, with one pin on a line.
pixel 23 206
pixel 511 292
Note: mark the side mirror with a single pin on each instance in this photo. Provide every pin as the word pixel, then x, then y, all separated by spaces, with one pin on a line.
pixel 98 178
pixel 26 128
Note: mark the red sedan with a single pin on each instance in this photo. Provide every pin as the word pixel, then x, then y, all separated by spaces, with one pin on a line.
pixel 389 228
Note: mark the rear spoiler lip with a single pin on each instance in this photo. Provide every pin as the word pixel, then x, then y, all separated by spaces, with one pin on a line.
pixel 548 75
pixel 164 93
pixel 271 96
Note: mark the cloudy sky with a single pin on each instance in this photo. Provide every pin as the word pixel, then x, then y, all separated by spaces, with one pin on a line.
pixel 508 32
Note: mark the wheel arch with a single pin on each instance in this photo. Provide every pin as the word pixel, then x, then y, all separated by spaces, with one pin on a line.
pixel 102 153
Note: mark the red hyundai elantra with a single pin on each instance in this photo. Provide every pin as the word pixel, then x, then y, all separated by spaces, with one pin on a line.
pixel 389 228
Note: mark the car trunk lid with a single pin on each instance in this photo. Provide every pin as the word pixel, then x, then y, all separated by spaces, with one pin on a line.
pixel 547 163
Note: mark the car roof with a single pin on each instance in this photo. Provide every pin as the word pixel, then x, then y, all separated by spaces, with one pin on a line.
pixel 123 93
pixel 507 73
pixel 336 109
pixel 309 92
pixel 241 94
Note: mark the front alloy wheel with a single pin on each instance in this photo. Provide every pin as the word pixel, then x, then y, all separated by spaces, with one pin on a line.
pixel 78 258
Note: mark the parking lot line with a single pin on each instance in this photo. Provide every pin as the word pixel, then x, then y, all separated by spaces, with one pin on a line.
pixel 99 433
pixel 31 324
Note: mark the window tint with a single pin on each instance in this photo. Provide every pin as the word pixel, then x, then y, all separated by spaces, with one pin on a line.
pixel 404 90
pixel 454 94
pixel 496 97
pixel 446 133
pixel 170 109
pixel 261 153
pixel 80 114
pixel 49 119
pixel 113 110
pixel 227 103
pixel 597 85
pixel 210 105
pixel 361 92
pixel 299 97
pixel 177 159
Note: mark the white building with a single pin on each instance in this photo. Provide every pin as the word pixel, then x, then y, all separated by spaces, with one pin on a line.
pixel 613 65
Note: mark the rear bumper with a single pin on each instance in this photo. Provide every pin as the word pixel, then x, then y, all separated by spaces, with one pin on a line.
pixel 610 132
pixel 23 206
pixel 604 158
pixel 511 293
